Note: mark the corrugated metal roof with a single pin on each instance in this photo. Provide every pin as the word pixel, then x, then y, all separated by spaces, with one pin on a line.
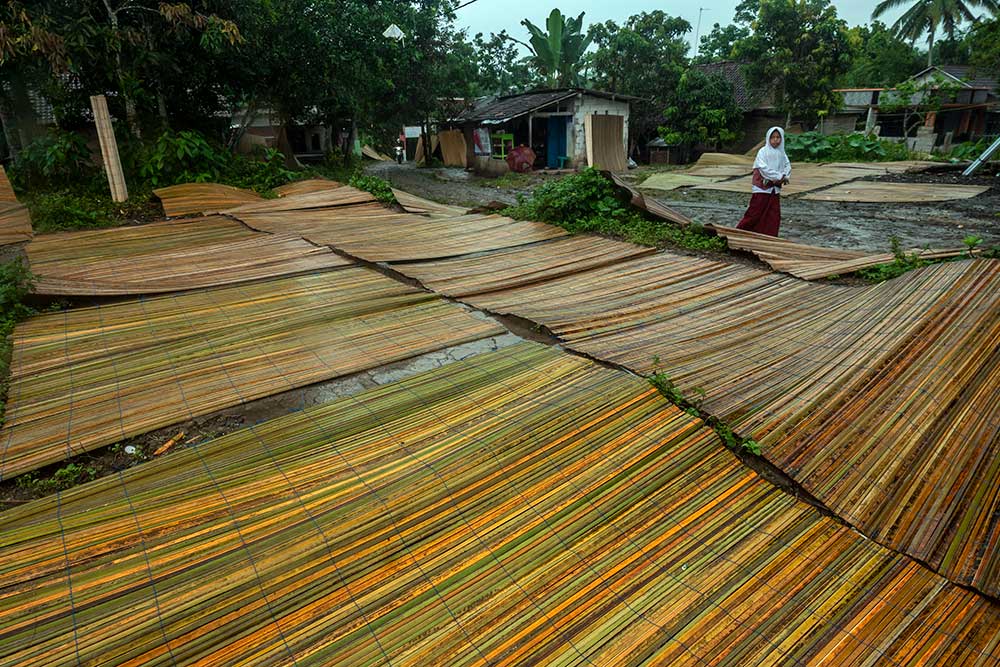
pixel 509 107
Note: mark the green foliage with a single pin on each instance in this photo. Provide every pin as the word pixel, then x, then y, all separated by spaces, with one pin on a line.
pixel 879 58
pixel 856 147
pixel 587 202
pixel 183 157
pixel 558 50
pixel 261 174
pixel 984 43
pixel 63 478
pixel 87 208
pixel 381 188
pixel 969 150
pixel 59 157
pixel 900 265
pixel 501 70
pixel 705 112
pixel 930 16
pixel 720 43
pixel 972 242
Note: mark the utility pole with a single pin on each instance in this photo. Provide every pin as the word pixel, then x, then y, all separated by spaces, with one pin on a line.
pixel 697 33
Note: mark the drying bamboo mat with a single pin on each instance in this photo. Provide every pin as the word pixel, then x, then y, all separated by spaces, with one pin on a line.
pixel 894 167
pixel 725 159
pixel 523 507
pixel 672 180
pixel 377 234
pixel 168 256
pixel 881 401
pixel 514 267
pixel 89 377
pixel 415 204
pixel 306 186
pixel 651 206
pixel 15 222
pixel 875 191
pixel 805 177
pixel 206 198
pixel 719 170
pixel 814 262
pixel 343 195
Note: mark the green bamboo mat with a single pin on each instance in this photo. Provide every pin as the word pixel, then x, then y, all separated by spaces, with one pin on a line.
pixel 882 401
pixel 88 377
pixel 520 507
pixel 168 256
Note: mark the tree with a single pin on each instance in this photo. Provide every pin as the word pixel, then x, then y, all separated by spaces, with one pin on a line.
pixel 557 53
pixel 705 112
pixel 798 49
pixel 500 70
pixel 984 44
pixel 916 99
pixel 879 58
pixel 929 16
pixel 645 58
pixel 720 43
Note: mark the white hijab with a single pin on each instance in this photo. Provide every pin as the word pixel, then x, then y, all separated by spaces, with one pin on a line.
pixel 772 162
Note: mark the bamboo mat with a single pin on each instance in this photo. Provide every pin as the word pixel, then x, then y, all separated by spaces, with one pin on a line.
pixel 15 222
pixel 343 195
pixel 515 267
pixel 651 206
pixel 206 198
pixel 673 180
pixel 875 191
pixel 522 507
pixel 415 204
pixel 882 401
pixel 805 177
pixel 306 186
pixel 89 377
pixel 168 256
pixel 725 159
pixel 377 234
pixel 814 262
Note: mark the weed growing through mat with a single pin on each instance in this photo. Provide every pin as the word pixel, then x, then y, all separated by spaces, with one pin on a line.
pixel 972 242
pixel 64 478
pixel 900 265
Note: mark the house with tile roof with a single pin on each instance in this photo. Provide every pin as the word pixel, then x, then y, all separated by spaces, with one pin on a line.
pixel 756 103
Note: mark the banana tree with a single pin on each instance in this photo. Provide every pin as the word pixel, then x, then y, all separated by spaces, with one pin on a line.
pixel 557 52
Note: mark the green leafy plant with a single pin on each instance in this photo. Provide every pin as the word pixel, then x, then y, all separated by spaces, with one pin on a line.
pixel 65 477
pixel 261 173
pixel 59 157
pixel 379 187
pixel 817 147
pixel 902 263
pixel 86 208
pixel 972 242
pixel 183 157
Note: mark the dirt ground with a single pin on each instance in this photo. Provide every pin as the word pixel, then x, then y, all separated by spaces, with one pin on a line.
pixel 855 226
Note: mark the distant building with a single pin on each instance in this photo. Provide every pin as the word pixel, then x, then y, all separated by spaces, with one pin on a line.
pixel 756 103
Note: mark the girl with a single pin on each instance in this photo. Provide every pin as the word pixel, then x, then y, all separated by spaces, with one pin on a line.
pixel 771 170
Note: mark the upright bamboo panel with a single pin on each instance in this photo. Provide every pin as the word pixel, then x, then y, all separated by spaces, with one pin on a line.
pixel 206 198
pixel 522 507
pixel 882 401
pixel 15 222
pixel 168 256
pixel 89 377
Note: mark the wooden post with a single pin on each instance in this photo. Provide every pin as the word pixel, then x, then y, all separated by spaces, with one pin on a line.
pixel 109 148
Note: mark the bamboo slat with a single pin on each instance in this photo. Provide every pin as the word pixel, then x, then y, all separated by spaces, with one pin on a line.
pixel 344 195
pixel 168 256
pixel 805 177
pixel 15 222
pixel 377 234
pixel 651 206
pixel 514 267
pixel 725 159
pixel 206 198
pixel 882 401
pixel 306 186
pixel 874 191
pixel 523 507
pixel 89 377
pixel 673 180
pixel 415 204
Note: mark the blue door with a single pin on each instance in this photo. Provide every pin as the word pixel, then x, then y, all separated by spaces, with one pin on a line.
pixel 556 141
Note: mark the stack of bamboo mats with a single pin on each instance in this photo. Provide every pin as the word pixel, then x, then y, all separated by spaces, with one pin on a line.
pixel 89 377
pixel 813 262
pixel 881 401
pixel 168 256
pixel 15 223
pixel 516 508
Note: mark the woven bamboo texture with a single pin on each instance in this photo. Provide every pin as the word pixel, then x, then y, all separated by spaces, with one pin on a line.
pixel 377 234
pixel 89 377
pixel 814 262
pixel 168 256
pixel 306 186
pixel 725 159
pixel 515 267
pixel 415 204
pixel 874 191
pixel 805 178
pixel 605 141
pixel 343 195
pixel 520 508
pixel 206 198
pixel 881 401
pixel 673 180
pixel 15 222
pixel 651 206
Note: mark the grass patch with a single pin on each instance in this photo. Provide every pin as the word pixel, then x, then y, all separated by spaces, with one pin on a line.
pixel 88 208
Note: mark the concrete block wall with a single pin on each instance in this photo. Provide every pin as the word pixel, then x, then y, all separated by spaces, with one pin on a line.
pixel 584 105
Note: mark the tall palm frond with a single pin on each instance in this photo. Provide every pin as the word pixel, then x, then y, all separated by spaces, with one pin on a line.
pixel 929 16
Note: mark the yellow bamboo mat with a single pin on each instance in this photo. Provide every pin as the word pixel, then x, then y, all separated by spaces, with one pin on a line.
pixel 415 204
pixel 15 222
pixel 514 267
pixel 316 199
pixel 522 507
pixel 378 234
pixel 881 400
pixel 306 186
pixel 874 191
pixel 207 198
pixel 168 256
pixel 675 179
pixel 805 177
pixel 89 377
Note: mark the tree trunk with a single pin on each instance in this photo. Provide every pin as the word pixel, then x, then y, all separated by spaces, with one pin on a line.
pixel 130 113
pixel 427 141
pixel 930 49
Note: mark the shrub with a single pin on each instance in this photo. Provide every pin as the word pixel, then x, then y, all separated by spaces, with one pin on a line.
pixel 379 187
pixel 263 173
pixel 900 265
pixel 56 159
pixel 86 208
pixel 183 157
pixel 816 147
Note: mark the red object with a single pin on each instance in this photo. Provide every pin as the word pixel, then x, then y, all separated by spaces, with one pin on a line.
pixel 763 215
pixel 521 159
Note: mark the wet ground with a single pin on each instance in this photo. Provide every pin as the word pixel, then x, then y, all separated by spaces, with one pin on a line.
pixel 855 226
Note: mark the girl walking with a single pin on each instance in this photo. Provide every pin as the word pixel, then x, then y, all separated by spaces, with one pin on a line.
pixel 771 170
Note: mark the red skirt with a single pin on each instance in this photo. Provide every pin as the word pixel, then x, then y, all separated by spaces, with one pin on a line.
pixel 763 215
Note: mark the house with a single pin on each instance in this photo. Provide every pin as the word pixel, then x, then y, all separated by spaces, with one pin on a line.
pixel 565 127
pixel 968 114
pixel 756 104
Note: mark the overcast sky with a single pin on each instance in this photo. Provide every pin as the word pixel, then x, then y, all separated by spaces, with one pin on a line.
pixel 488 16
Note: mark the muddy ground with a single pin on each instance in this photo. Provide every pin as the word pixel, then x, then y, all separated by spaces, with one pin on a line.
pixel 855 226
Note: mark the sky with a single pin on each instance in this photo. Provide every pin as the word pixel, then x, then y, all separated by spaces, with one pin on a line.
pixel 488 16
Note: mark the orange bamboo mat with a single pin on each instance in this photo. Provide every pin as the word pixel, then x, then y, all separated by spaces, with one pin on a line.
pixel 874 191
pixel 168 256
pixel 514 267
pixel 882 401
pixel 207 198
pixel 317 199
pixel 88 377
pixel 415 204
pixel 521 507
pixel 15 222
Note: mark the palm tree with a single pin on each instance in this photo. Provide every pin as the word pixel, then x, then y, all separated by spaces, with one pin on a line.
pixel 928 16
pixel 557 53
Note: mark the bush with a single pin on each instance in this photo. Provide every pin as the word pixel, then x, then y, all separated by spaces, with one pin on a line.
pixel 182 157
pixel 816 147
pixel 900 265
pixel 262 174
pixel 56 159
pixel 86 208
pixel 969 150
pixel 379 187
